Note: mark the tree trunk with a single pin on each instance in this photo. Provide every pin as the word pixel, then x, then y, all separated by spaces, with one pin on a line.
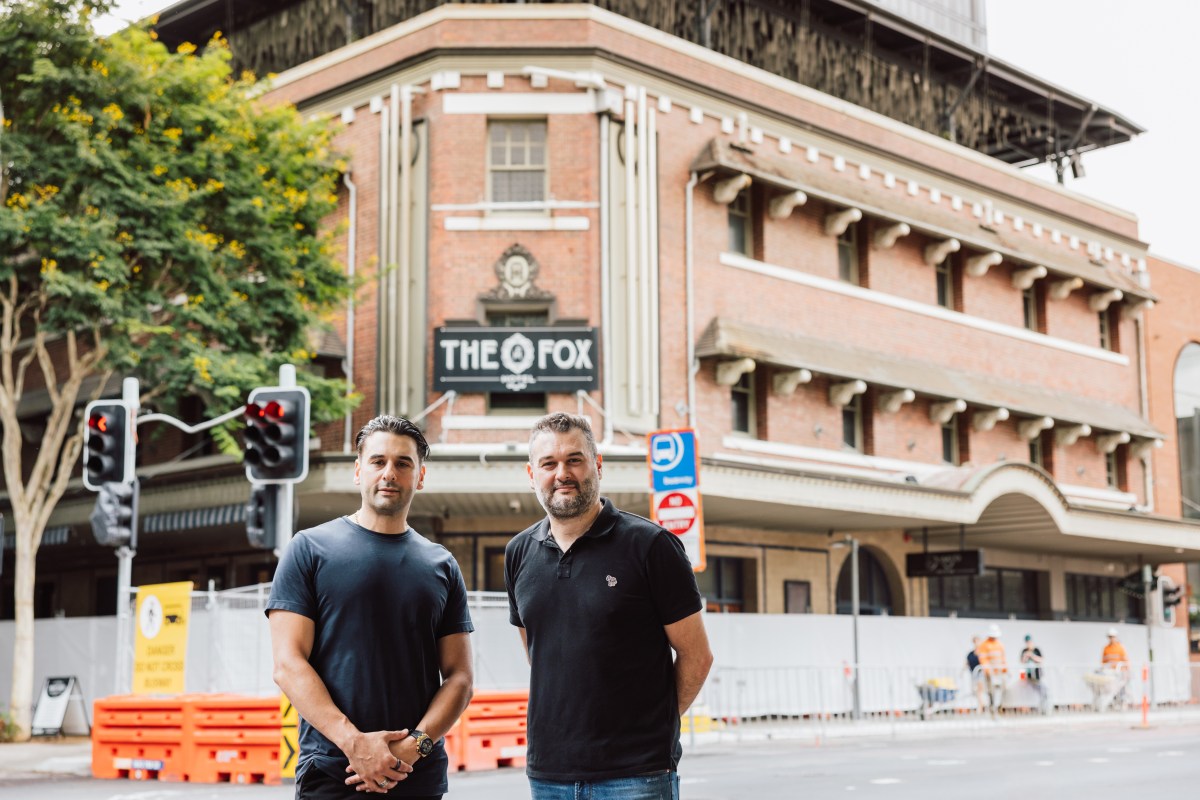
pixel 21 698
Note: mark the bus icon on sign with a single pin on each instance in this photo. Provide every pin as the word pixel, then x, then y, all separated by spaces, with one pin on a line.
pixel 672 459
pixel 666 451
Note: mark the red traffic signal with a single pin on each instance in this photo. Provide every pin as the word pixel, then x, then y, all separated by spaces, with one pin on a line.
pixel 108 444
pixel 276 443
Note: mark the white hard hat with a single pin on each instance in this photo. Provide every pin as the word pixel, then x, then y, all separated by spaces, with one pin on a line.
pixel 1112 631
pixel 994 631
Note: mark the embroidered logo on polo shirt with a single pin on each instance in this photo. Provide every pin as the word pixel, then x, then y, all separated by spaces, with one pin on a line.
pixel 611 581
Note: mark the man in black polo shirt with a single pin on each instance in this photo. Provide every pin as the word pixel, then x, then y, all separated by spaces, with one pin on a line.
pixel 602 598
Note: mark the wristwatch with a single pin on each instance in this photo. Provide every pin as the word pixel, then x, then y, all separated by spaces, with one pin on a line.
pixel 424 743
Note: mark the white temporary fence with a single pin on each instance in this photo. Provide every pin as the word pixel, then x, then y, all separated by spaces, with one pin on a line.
pixel 818 701
pixel 791 668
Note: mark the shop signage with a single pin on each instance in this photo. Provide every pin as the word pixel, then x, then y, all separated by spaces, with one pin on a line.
pixel 944 564
pixel 516 359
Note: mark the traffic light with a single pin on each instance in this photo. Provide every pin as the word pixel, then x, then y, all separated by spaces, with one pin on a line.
pixel 262 515
pixel 114 519
pixel 276 448
pixel 1169 596
pixel 107 444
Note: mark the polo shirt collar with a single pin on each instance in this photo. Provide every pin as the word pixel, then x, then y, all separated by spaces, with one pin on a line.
pixel 601 526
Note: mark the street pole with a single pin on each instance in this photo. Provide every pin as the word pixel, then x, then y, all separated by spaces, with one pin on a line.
pixel 854 613
pixel 285 511
pixel 131 396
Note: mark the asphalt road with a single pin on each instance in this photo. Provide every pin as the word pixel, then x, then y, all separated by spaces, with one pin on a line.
pixel 1056 763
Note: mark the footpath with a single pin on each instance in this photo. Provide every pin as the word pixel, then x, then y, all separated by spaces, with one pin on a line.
pixel 62 758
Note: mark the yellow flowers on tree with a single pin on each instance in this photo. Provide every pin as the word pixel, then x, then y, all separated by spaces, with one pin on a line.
pixel 156 221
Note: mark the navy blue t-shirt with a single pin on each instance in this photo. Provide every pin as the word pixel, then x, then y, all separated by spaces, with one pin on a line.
pixel 380 603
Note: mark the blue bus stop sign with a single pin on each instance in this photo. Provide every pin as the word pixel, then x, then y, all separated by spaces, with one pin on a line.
pixel 673 461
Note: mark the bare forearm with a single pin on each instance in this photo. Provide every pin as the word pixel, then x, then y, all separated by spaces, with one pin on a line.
pixel 310 697
pixel 690 673
pixel 447 706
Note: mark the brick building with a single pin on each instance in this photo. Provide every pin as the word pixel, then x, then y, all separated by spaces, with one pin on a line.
pixel 875 332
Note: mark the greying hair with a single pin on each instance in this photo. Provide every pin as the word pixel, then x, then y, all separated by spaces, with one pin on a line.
pixel 397 426
pixel 561 422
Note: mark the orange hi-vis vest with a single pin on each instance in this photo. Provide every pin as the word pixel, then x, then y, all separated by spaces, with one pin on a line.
pixel 1115 655
pixel 991 656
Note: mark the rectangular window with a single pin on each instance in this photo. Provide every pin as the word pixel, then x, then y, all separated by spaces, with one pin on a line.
pixel 998 592
pixel 517 161
pixel 741 228
pixel 1100 598
pixel 950 441
pixel 945 283
pixel 847 245
pixel 1108 334
pixel 852 423
pixel 1029 304
pixel 797 597
pixel 741 396
pixel 1114 469
pixel 723 584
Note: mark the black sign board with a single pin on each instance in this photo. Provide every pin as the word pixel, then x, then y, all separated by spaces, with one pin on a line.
pixel 515 359
pixel 944 564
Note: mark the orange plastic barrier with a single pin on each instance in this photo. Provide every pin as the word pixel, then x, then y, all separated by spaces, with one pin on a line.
pixel 235 739
pixel 138 738
pixel 198 738
pixel 492 731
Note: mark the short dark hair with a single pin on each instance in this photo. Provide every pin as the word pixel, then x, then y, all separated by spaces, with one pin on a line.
pixel 561 422
pixel 397 426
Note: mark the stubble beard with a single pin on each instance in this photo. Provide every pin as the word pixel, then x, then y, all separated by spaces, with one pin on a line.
pixel 572 506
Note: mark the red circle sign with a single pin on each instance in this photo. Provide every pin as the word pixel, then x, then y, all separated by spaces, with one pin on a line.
pixel 677 513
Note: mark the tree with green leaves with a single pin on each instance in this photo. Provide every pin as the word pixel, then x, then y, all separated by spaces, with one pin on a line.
pixel 158 221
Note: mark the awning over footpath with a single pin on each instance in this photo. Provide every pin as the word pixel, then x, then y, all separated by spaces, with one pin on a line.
pixel 937 221
pixel 731 339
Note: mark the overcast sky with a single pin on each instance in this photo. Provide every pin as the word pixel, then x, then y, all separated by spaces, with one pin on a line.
pixel 1140 59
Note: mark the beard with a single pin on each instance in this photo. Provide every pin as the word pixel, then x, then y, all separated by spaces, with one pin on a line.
pixel 571 506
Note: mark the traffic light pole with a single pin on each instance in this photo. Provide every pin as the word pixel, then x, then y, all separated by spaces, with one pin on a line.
pixel 285 511
pixel 131 395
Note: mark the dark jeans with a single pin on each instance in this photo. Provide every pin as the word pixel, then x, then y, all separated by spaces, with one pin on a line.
pixel 664 786
pixel 315 784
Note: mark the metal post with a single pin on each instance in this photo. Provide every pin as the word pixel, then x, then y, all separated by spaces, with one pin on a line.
pixel 854 612
pixel 122 675
pixel 285 511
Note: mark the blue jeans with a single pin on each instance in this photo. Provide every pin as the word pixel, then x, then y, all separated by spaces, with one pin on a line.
pixel 642 787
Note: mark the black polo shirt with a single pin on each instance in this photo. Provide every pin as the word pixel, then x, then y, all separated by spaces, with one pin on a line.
pixel 602 701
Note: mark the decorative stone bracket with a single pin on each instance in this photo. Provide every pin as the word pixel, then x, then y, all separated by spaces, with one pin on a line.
pixel 785 383
pixel 730 372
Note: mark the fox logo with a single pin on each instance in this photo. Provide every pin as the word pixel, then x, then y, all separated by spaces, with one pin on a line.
pixel 611 581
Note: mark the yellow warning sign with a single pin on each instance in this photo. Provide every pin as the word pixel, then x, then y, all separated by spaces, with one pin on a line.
pixel 160 647
pixel 289 738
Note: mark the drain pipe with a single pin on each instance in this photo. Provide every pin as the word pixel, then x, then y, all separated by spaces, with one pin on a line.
pixel 351 250
pixel 605 278
pixel 690 302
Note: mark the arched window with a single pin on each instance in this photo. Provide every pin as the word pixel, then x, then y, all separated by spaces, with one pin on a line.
pixel 1187 427
pixel 874 594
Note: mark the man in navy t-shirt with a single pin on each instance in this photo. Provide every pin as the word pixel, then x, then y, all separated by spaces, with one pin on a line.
pixel 370 634
pixel 602 599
